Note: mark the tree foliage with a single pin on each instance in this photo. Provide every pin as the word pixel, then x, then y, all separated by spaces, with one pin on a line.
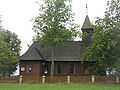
pixel 9 52
pixel 112 15
pixel 55 22
pixel 105 47
pixel 12 39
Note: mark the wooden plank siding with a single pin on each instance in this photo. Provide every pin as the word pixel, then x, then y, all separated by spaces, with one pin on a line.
pixel 80 69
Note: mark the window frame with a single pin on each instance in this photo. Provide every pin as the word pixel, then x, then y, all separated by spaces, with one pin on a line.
pixel 58 68
pixel 29 68
pixel 72 68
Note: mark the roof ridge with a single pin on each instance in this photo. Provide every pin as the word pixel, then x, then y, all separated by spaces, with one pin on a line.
pixel 39 52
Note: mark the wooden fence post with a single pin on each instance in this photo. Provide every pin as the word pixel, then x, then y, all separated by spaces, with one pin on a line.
pixel 43 79
pixel 117 79
pixel 93 78
pixel 20 79
pixel 68 79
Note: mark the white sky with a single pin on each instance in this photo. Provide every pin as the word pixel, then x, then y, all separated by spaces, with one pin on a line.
pixel 16 15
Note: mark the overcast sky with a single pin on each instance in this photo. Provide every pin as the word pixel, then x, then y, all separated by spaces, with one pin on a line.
pixel 16 15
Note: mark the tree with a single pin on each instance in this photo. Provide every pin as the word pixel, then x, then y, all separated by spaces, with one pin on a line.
pixel 112 15
pixel 103 50
pixel 106 41
pixel 54 24
pixel 12 39
pixel 9 52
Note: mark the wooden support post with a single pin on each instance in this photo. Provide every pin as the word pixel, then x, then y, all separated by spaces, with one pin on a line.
pixel 20 79
pixel 43 79
pixel 68 79
pixel 93 78
pixel 117 79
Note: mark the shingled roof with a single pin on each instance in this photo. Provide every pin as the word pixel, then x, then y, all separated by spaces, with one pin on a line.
pixel 32 53
pixel 86 23
pixel 64 51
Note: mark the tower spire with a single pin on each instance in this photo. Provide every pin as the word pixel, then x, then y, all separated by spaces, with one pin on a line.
pixel 86 9
pixel 87 28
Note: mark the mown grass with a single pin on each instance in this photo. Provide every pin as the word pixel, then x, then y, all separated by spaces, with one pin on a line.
pixel 60 87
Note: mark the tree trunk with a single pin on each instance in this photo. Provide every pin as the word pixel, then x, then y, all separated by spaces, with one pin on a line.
pixel 52 64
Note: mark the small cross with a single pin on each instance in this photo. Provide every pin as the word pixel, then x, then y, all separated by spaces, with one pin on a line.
pixel 86 9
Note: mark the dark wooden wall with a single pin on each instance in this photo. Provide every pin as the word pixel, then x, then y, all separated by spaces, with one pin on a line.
pixel 36 68
pixel 80 68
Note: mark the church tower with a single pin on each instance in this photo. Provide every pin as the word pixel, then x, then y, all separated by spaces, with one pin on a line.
pixel 87 28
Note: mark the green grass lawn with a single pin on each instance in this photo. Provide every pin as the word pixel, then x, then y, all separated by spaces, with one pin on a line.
pixel 60 87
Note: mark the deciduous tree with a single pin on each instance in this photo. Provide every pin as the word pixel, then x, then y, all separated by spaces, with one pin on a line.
pixel 9 52
pixel 54 24
pixel 105 47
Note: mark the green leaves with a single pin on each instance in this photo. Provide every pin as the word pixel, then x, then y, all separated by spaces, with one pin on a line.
pixel 9 52
pixel 105 47
pixel 54 23
pixel 12 39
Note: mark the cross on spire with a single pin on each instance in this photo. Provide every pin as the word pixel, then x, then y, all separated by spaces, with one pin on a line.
pixel 86 9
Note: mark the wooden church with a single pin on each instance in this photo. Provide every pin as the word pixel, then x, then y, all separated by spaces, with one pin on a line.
pixel 67 57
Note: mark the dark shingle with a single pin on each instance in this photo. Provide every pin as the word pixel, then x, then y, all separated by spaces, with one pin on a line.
pixel 32 54
pixel 64 51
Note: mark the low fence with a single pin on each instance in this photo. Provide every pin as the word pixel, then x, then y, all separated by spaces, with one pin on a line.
pixel 10 79
pixel 62 79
